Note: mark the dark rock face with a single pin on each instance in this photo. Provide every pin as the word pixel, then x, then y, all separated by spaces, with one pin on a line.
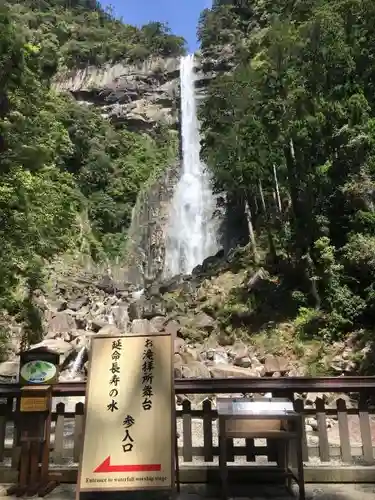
pixel 146 248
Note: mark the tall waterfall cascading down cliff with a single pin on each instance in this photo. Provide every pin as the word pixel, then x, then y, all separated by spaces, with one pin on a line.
pixel 191 233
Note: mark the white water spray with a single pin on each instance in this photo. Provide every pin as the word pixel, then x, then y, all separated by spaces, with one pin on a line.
pixel 77 364
pixel 191 235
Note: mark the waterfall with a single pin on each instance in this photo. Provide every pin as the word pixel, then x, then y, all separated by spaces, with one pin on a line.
pixel 76 366
pixel 191 233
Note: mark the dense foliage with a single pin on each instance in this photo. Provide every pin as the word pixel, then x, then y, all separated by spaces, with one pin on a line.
pixel 291 133
pixel 75 33
pixel 68 178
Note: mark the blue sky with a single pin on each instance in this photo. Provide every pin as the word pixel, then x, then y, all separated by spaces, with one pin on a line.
pixel 181 15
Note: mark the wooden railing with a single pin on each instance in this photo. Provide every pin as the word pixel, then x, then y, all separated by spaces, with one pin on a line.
pixel 346 454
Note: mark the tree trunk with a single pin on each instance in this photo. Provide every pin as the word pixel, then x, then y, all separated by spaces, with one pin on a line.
pixel 251 231
pixel 268 222
pixel 302 229
pixel 277 191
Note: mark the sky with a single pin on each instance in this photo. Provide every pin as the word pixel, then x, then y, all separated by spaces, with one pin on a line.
pixel 181 15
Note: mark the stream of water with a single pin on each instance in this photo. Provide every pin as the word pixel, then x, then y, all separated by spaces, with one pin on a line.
pixel 191 234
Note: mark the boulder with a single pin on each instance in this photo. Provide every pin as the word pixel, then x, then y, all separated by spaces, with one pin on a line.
pixel 238 350
pixel 153 307
pixel 179 345
pixel 274 364
pixel 158 323
pixel 121 316
pixel 135 309
pixel 145 308
pixel 98 323
pixel 228 371
pixel 10 369
pixel 142 327
pixel 78 303
pixel 172 327
pixel 195 369
pixel 204 322
pixel 107 284
pixel 244 362
pixel 57 345
pixel 109 330
pixel 60 322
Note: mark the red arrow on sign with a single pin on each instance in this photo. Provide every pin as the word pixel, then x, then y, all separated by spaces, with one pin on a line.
pixel 107 467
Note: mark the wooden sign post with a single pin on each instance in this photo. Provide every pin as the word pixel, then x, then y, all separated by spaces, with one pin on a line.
pixel 38 370
pixel 129 438
pixel 34 423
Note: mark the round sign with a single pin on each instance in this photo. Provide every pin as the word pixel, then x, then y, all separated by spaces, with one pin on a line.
pixel 38 372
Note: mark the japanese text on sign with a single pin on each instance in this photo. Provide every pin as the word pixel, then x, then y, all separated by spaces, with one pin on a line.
pixel 147 374
pixel 127 442
pixel 129 423
pixel 115 375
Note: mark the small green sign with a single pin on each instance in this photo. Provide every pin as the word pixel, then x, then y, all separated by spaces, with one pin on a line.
pixel 38 372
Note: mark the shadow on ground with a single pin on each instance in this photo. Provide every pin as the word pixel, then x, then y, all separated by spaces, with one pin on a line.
pixel 240 492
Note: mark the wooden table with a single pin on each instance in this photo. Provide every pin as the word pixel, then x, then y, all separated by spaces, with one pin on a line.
pixel 239 418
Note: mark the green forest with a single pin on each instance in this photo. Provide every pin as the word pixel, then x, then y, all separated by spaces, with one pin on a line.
pixel 69 178
pixel 291 133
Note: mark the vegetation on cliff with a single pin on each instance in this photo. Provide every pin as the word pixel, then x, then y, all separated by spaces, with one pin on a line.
pixel 74 33
pixel 291 133
pixel 69 178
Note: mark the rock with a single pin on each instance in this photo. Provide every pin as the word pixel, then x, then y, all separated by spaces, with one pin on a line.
pixel 57 345
pixel 189 356
pixel 204 322
pixel 312 422
pixel 146 235
pixel 135 310
pixel 143 327
pixel 58 305
pixel 171 285
pixel 243 362
pixel 145 308
pixel 238 350
pixel 274 364
pixel 78 303
pixel 109 330
pixel 226 338
pixel 158 323
pixel 195 369
pixel 10 369
pixel 121 316
pixel 61 322
pixel 107 284
pixel 228 371
pixel 77 333
pixel 81 320
pixel 152 307
pixel 97 324
pixel 259 370
pixel 172 327
pixel 179 345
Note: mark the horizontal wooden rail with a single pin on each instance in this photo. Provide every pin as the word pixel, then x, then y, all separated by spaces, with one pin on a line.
pixel 231 385
pixel 347 453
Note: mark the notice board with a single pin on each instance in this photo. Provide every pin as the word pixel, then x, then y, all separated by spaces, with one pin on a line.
pixel 129 433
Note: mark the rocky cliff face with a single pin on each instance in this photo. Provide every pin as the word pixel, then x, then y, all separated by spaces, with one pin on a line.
pixel 137 96
pixel 146 244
